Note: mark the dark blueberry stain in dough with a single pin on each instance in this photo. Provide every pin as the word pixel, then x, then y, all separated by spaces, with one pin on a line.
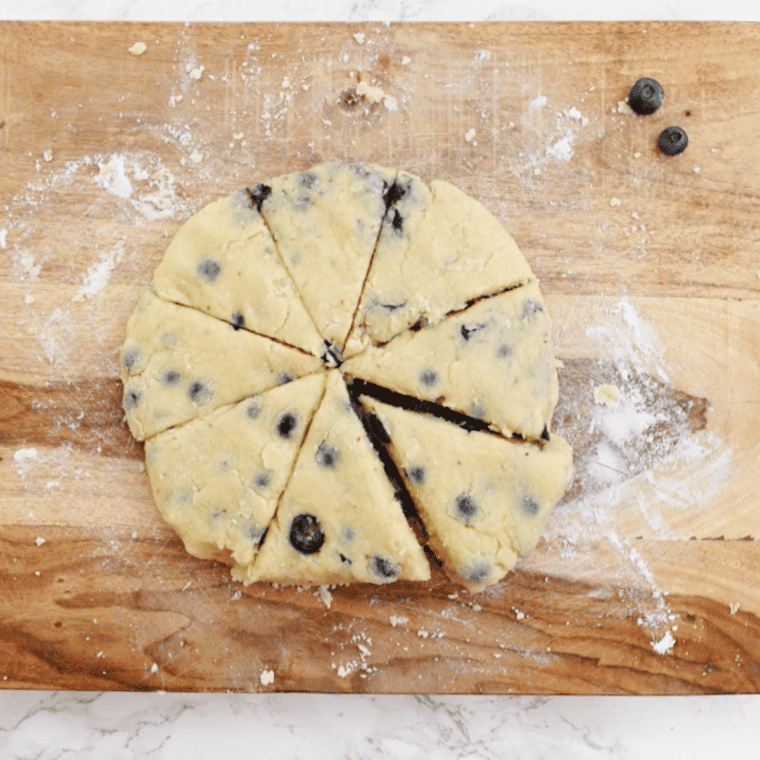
pixel 327 456
pixel 504 351
pixel 208 269
pixel 306 535
pixel 171 377
pixel 384 568
pixel 332 355
pixel 308 179
pixel 545 434
pixel 344 558
pixel 466 508
pixel 199 392
pixel 130 358
pixel 259 194
pixel 131 399
pixel 466 331
pixel 254 532
pixel 286 425
pixel 428 377
pixel 397 222
pixel 393 194
pixel 530 506
pixel 416 474
pixel 477 572
pixel 284 377
pixel 237 320
pixel 253 410
pixel 262 481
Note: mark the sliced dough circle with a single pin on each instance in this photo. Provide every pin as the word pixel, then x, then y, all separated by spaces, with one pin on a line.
pixel 340 493
pixel 493 361
pixel 483 499
pixel 178 363
pixel 438 249
pixel 330 214
pixel 223 261
pixel 217 480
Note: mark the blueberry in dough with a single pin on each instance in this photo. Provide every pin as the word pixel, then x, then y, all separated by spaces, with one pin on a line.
pixel 530 506
pixel 286 424
pixel 428 377
pixel 397 222
pixel 466 508
pixel 253 410
pixel 327 456
pixel 208 269
pixel 646 96
pixel 199 392
pixel 467 330
pixel 672 141
pixel 477 572
pixel 130 357
pixel 284 377
pixel 545 434
pixel 131 399
pixel 416 474
pixel 262 481
pixel 237 320
pixel 306 534
pixel 308 179
pixel 393 194
pixel 530 307
pixel 384 568
pixel 259 194
pixel 504 351
pixel 171 377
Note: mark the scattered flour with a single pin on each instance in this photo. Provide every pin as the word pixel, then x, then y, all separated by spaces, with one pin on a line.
pixel 99 274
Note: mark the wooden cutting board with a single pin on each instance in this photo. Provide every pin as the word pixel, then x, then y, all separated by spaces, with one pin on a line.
pixel 648 577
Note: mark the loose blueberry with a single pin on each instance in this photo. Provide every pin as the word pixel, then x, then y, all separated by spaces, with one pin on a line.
pixel 286 424
pixel 672 141
pixel 646 96
pixel 530 506
pixel 238 320
pixel 306 534
pixel 428 377
pixel 199 392
pixel 466 508
pixel 208 269
pixel 259 194
pixel 327 456
pixel 171 377
pixel 384 568
pixel 416 474
pixel 131 399
pixel 130 358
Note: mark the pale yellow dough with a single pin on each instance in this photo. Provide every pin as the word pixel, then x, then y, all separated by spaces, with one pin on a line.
pixel 178 363
pixel 493 361
pixel 340 482
pixel 483 499
pixel 223 261
pixel 217 480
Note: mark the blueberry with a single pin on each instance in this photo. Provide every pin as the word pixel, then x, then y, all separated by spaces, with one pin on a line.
pixel 131 399
pixel 262 481
pixel 199 392
pixel 466 508
pixel 286 424
pixel 254 531
pixel 327 456
pixel 208 269
pixel 646 96
pixel 253 410
pixel 416 474
pixel 284 377
pixel 478 571
pixel 306 534
pixel 171 377
pixel 530 506
pixel 672 141
pixel 428 377
pixel 504 351
pixel 130 358
pixel 237 320
pixel 384 568
pixel 259 194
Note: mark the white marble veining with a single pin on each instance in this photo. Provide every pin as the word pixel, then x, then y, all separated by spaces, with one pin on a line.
pixel 39 725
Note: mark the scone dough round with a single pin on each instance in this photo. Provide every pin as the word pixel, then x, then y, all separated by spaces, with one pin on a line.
pixel 289 322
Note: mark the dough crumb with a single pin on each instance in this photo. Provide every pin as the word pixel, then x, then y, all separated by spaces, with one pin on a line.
pixel 606 395
pixel 519 614
pixel 615 202
pixel 696 170
pixel 138 48
pixel 267 677
pixel 469 135
pixel 359 37
pixel 622 107
pixel 154 668
pixel 398 620
pixel 406 60
pixel 39 541
pixel 734 608
pixel 195 73
pixel 324 596
pixel 48 156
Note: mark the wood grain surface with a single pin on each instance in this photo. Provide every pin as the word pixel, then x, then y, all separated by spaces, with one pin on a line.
pixel 647 580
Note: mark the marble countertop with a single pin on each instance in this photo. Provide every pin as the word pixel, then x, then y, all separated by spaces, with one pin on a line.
pixel 44 725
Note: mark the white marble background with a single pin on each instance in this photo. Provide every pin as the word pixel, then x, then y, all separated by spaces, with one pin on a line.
pixel 39 725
